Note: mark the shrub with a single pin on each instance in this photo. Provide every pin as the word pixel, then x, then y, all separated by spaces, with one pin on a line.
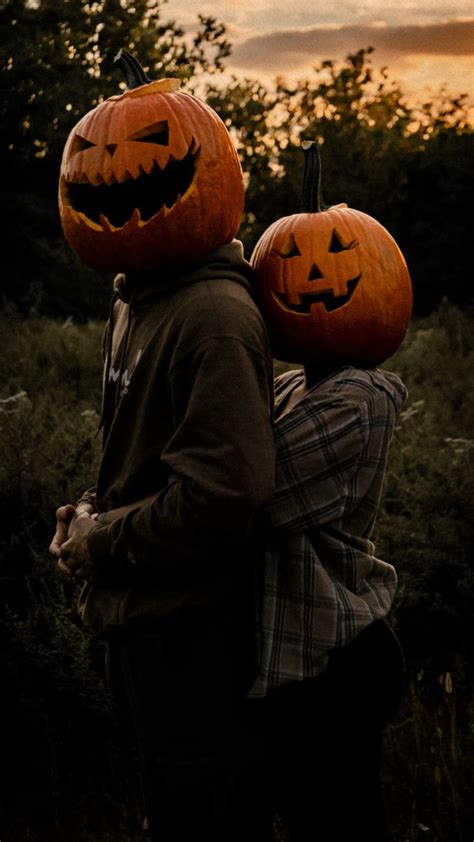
pixel 425 530
pixel 64 748
pixel 64 745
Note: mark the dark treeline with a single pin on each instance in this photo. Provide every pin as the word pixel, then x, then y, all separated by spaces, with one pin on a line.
pixel 409 166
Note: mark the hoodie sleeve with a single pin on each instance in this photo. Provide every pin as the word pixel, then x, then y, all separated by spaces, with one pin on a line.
pixel 220 458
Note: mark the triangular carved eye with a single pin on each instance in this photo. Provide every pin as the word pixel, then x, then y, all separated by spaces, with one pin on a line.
pixel 157 133
pixel 288 249
pixel 337 244
pixel 79 144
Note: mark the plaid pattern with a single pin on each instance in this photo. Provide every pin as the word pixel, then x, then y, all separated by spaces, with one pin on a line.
pixel 321 582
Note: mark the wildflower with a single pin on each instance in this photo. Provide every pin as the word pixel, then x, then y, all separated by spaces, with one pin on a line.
pixel 14 403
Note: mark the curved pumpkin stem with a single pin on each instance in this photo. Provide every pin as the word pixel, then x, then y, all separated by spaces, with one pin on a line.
pixel 131 69
pixel 312 200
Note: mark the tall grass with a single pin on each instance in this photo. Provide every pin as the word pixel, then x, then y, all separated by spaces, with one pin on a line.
pixel 426 530
pixel 69 774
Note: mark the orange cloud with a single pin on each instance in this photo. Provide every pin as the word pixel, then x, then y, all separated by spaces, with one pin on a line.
pixel 279 51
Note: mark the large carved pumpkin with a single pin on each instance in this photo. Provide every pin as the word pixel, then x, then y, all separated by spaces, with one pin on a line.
pixel 333 284
pixel 149 177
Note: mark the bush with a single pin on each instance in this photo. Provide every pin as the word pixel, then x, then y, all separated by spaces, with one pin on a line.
pixel 64 745
pixel 425 530
pixel 64 748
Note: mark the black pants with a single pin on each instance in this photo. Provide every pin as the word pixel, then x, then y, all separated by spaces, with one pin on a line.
pixel 323 742
pixel 201 753
pixel 214 764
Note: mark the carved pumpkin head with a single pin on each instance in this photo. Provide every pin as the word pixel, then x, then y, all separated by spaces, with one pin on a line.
pixel 149 177
pixel 333 284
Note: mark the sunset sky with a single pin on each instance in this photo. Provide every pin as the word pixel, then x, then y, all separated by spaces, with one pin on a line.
pixel 424 44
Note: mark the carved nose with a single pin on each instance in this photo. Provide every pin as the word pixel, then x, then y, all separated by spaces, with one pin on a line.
pixel 315 274
pixel 111 147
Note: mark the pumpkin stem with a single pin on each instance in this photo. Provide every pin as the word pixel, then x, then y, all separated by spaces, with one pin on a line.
pixel 131 69
pixel 312 199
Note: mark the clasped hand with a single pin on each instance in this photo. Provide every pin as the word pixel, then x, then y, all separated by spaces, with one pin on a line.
pixel 69 544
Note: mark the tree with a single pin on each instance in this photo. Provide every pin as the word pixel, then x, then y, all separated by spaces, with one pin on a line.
pixel 406 165
pixel 59 65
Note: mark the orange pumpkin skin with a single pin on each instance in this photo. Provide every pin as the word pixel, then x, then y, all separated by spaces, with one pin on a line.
pixel 333 286
pixel 149 178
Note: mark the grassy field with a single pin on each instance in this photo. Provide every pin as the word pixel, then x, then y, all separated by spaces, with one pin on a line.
pixel 69 774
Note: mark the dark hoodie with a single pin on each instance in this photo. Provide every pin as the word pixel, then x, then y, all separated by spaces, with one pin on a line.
pixel 187 414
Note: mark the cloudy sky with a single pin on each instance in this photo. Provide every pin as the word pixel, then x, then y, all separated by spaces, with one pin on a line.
pixel 424 44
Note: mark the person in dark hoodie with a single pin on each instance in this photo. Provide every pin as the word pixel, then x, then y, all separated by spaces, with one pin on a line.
pixel 165 540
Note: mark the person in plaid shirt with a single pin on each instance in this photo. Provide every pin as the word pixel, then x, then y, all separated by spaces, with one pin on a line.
pixel 331 669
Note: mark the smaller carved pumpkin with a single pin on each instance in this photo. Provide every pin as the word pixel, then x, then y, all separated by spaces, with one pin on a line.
pixel 149 177
pixel 333 284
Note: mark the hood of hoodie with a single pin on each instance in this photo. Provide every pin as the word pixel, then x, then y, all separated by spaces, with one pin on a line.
pixel 227 261
pixel 141 290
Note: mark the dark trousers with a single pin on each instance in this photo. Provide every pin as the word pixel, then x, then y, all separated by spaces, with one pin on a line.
pixel 201 753
pixel 324 738
pixel 215 765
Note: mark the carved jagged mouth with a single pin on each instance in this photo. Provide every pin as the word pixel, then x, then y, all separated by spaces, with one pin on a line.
pixel 147 193
pixel 327 298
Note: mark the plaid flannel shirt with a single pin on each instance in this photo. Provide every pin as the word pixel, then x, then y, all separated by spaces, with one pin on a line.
pixel 321 583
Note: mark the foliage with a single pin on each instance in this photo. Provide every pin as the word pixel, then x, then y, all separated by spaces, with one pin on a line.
pixel 425 530
pixel 58 64
pixel 65 746
pixel 66 68
pixel 403 164
pixel 406 165
pixel 39 273
pixel 428 774
pixel 425 527
pixel 49 414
